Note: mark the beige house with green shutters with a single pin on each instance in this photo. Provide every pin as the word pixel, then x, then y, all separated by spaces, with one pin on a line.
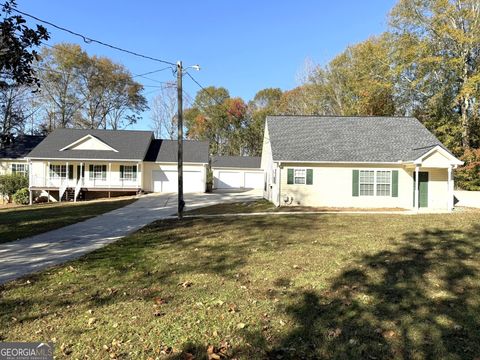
pixel 356 162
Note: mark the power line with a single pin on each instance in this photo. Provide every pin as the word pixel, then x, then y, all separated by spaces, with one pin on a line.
pixel 213 97
pixel 89 40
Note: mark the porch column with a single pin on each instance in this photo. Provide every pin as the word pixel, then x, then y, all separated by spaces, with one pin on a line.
pixel 417 168
pixel 47 175
pixel 30 176
pixel 109 175
pixel 67 173
pixel 450 188
pixel 139 175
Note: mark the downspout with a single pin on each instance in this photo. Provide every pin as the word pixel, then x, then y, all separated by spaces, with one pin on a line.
pixel 279 183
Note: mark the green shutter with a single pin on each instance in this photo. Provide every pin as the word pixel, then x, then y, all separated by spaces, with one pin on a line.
pixel 90 172
pixel 135 172
pixel 289 176
pixel 104 172
pixel 355 182
pixel 121 171
pixel 309 176
pixel 395 183
pixel 70 172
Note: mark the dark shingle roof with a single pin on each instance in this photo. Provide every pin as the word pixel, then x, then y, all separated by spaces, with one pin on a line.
pixel 247 162
pixel 348 139
pixel 130 145
pixel 167 151
pixel 20 146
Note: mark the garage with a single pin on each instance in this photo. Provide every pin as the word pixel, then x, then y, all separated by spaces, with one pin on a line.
pixel 228 180
pixel 254 180
pixel 167 181
pixel 237 172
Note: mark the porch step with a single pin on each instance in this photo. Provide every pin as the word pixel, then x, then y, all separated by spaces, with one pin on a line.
pixel 69 195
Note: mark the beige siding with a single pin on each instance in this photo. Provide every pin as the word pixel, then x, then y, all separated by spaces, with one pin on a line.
pixel 91 144
pixel 436 159
pixel 6 165
pixel 437 188
pixel 332 187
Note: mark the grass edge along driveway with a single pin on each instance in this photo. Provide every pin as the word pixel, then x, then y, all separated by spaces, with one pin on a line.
pixel 21 222
pixel 317 286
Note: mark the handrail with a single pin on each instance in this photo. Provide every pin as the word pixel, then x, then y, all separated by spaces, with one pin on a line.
pixel 62 188
pixel 78 187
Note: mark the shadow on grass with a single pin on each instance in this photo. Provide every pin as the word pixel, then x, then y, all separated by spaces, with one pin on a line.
pixel 419 301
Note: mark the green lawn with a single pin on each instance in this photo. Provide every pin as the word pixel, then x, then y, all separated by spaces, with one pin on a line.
pixel 284 287
pixel 20 222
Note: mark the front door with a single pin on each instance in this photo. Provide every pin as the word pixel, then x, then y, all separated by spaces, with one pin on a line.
pixel 422 189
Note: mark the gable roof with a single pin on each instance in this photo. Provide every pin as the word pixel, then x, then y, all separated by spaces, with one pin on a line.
pixel 129 145
pixel 247 162
pixel 88 139
pixel 20 146
pixel 167 151
pixel 349 139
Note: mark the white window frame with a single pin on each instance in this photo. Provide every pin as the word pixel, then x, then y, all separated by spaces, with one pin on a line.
pixel 97 175
pixel 14 168
pixel 295 176
pixel 389 183
pixel 375 183
pixel 57 171
pixel 128 170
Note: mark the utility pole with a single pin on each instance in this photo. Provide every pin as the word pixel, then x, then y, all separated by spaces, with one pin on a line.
pixel 181 203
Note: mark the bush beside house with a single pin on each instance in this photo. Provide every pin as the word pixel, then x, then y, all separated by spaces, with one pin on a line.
pixel 11 183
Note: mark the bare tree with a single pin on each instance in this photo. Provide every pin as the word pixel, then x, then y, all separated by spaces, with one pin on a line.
pixel 164 111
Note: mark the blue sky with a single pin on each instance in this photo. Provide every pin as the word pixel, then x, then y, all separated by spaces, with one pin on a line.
pixel 244 46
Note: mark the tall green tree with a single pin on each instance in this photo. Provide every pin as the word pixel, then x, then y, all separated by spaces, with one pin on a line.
pixel 264 103
pixel 87 92
pixel 437 60
pixel 218 118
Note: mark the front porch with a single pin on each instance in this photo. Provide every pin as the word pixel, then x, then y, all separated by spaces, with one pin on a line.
pixel 72 180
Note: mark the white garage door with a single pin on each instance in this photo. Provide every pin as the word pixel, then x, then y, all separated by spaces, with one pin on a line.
pixel 254 180
pixel 167 181
pixel 229 179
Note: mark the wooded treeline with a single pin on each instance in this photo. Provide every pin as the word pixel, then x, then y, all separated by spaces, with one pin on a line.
pixel 426 65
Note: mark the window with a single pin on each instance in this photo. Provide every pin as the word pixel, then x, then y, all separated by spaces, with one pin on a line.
pixel 384 181
pixel 97 172
pixel 299 176
pixel 374 183
pixel 20 169
pixel 58 172
pixel 367 183
pixel 128 172
pixel 274 176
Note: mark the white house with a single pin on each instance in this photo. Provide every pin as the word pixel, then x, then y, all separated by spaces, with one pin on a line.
pixel 359 162
pixel 73 164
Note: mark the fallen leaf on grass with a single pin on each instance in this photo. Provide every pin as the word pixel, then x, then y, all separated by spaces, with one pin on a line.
pixel 91 321
pixel 186 284
pixel 159 301
pixel 241 325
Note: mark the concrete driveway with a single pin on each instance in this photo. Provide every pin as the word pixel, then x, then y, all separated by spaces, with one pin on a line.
pixel 29 255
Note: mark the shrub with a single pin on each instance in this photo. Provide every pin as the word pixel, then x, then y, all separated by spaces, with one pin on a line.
pixel 22 197
pixel 11 183
pixel 468 176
